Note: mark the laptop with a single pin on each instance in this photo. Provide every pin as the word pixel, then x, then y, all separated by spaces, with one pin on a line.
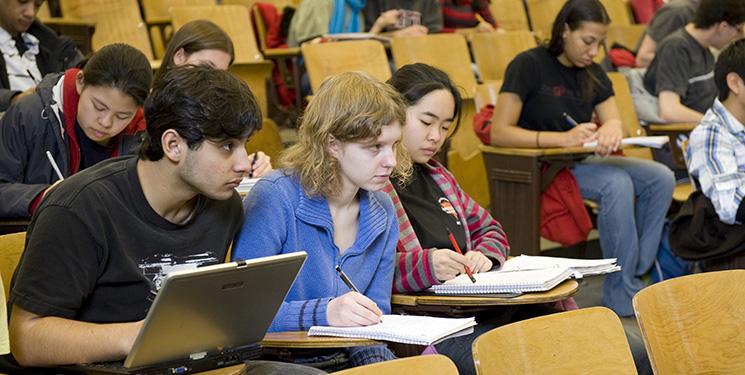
pixel 208 317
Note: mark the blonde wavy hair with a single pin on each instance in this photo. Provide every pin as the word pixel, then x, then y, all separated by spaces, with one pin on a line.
pixel 351 107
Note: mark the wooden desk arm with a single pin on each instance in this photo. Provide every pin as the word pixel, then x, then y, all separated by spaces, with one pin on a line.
pixel 301 340
pixel 535 151
pixel 677 127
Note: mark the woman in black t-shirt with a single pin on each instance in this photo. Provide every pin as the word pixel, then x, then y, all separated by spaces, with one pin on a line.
pixel 545 83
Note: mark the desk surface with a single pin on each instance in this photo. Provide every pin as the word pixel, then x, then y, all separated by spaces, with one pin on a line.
pixel 231 370
pixel 301 340
pixel 560 292
pixel 536 151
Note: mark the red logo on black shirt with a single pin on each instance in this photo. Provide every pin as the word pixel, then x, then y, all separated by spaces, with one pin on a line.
pixel 559 90
pixel 447 207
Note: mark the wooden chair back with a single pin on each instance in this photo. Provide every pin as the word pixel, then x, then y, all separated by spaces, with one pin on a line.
pixel 44 11
pixel 11 248
pixel 161 8
pixel 157 13
pixel 448 52
pixel 628 36
pixel 694 324
pixel 494 51
pixel 510 14
pixel 542 14
pixel 436 364
pixel 326 59
pixel 267 140
pixel 628 113
pixel 234 19
pixel 619 12
pixel 117 21
pixel 573 342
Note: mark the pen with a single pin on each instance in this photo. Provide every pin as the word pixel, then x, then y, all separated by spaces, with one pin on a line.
pixel 457 248
pixel 346 279
pixel 32 76
pixel 253 163
pixel 569 119
pixel 54 165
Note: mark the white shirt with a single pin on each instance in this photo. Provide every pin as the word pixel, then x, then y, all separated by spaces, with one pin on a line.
pixel 22 70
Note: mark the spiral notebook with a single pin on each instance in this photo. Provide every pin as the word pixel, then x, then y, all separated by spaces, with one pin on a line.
pixel 505 282
pixel 406 329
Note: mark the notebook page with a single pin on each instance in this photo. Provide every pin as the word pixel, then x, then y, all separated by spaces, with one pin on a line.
pixel 586 267
pixel 651 141
pixel 407 329
pixel 505 282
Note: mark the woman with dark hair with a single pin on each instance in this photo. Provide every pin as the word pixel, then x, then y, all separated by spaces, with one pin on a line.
pixel 544 91
pixel 75 119
pixel 432 205
pixel 201 42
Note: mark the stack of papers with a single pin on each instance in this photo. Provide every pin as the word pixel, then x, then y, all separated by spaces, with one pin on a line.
pixel 655 142
pixel 407 329
pixel 585 267
pixel 246 185
pixel 518 281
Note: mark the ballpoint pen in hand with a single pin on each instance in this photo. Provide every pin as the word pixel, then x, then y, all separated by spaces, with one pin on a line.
pixel 253 163
pixel 569 119
pixel 346 279
pixel 457 248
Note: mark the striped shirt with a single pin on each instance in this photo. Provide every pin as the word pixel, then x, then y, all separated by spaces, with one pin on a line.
pixel 716 157
pixel 458 14
pixel 414 268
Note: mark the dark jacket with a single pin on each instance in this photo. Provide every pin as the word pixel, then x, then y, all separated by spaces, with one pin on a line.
pixel 56 54
pixel 698 234
pixel 30 128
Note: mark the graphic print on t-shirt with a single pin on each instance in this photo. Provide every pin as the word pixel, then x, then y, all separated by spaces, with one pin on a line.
pixel 447 207
pixel 156 267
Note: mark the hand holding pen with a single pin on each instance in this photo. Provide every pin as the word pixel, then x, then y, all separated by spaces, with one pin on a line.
pixel 260 164
pixel 457 249
pixel 352 308
pixel 579 133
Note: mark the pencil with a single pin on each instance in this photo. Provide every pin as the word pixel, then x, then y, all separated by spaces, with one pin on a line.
pixel 54 165
pixel 569 119
pixel 457 248
pixel 253 163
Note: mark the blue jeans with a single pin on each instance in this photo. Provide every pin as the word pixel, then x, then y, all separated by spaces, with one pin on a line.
pixel 634 196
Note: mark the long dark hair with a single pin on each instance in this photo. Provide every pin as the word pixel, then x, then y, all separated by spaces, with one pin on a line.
pixel 193 37
pixel 572 15
pixel 415 81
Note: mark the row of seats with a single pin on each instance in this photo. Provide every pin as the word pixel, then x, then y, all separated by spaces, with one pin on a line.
pixel 691 324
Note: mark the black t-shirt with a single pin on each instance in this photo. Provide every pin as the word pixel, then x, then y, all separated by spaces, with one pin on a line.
pixel 91 153
pixel 430 212
pixel 96 249
pixel 547 89
pixel 685 67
